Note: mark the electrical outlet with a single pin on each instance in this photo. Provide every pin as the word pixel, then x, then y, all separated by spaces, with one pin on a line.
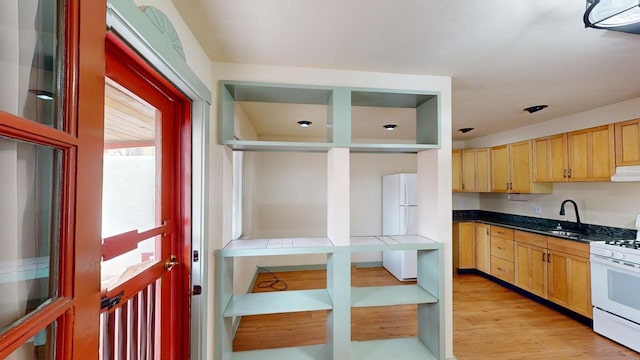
pixel 537 209
pixel 460 204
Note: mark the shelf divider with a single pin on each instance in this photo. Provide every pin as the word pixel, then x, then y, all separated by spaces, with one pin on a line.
pixel 278 302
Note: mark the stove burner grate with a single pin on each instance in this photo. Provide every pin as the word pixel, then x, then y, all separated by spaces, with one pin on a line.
pixel 629 244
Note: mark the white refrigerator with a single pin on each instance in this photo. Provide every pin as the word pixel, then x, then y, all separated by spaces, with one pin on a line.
pixel 399 217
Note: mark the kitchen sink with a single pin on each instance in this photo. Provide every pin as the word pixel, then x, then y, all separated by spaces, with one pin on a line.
pixel 565 233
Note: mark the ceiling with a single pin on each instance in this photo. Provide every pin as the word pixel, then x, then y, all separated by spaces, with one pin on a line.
pixel 503 56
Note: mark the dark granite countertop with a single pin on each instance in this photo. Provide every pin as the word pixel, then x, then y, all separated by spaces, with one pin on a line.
pixel 544 226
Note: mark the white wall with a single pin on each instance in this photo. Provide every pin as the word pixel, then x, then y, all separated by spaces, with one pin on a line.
pixel 601 203
pixel 465 201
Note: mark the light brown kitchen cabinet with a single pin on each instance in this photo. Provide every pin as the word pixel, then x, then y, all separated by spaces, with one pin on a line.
pixel 569 275
pixel 583 155
pixel 502 255
pixel 483 248
pixel 456 170
pixel 550 158
pixel 464 248
pixel 627 135
pixel 511 169
pixel 476 172
pixel 531 262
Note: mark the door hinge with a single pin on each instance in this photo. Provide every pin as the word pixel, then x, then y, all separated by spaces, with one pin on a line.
pixel 196 256
pixel 110 302
pixel 197 290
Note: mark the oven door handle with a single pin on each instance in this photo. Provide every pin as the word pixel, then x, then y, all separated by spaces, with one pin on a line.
pixel 610 263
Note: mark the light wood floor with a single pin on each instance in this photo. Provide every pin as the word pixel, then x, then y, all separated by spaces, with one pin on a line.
pixel 490 322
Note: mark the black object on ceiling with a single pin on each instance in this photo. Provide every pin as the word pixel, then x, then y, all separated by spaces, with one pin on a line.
pixel 465 130
pixel 304 123
pixel 534 108
pixel 616 15
pixel 390 127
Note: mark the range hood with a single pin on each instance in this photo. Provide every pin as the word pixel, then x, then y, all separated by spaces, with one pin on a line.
pixel 626 173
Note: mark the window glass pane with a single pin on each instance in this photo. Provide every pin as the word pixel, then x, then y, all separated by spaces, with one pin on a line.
pixel 40 347
pixel 29 189
pixel 29 60
pixel 130 182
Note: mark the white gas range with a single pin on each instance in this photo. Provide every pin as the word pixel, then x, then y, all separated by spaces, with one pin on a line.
pixel 615 290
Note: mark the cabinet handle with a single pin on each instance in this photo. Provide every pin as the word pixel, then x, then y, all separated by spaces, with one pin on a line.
pixel 569 173
pixel 487 230
pixel 564 173
pixel 549 258
pixel 501 248
pixel 544 258
pixel 501 269
pixel 462 186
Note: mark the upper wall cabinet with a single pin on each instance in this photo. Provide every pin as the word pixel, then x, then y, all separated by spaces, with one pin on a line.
pixel 260 116
pixel 627 135
pixel 511 169
pixel 583 155
pixel 456 170
pixel 476 172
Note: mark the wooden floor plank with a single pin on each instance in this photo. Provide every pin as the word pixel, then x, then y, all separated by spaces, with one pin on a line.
pixel 490 322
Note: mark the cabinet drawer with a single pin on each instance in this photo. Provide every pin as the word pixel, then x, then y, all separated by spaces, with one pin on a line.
pixel 502 232
pixel 502 269
pixel 568 246
pixel 502 248
pixel 530 238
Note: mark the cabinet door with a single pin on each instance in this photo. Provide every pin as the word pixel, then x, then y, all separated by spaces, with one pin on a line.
pixel 469 170
pixel 483 170
pixel 591 154
pixel 570 282
pixel 466 245
pixel 531 269
pixel 483 248
pixel 550 159
pixel 456 176
pixel 499 168
pixel 627 142
pixel 520 161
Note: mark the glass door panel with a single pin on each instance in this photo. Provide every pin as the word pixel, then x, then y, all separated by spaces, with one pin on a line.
pixel 131 184
pixel 29 64
pixel 39 347
pixel 29 227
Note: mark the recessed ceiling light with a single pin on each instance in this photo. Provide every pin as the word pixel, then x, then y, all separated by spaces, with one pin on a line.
pixel 390 127
pixel 465 130
pixel 534 108
pixel 304 123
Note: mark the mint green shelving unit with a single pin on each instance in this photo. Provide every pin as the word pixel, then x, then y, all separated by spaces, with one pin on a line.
pixel 339 101
pixel 338 298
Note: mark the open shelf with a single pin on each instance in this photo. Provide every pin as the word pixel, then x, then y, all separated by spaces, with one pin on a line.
pixel 340 117
pixel 312 352
pixel 278 302
pixel 339 298
pixel 401 348
pixel 390 295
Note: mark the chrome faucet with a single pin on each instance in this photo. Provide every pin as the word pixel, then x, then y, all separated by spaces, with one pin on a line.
pixel 575 207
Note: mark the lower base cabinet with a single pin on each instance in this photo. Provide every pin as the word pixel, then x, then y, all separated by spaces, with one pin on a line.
pixel 570 282
pixel 483 248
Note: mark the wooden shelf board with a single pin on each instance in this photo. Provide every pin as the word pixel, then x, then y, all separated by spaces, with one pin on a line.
pixel 278 302
pixel 390 295
pixel 313 352
pixel 402 348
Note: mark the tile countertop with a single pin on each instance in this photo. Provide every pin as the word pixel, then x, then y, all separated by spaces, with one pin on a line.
pixel 543 226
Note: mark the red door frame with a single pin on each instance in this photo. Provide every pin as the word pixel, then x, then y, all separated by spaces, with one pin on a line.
pixel 127 67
